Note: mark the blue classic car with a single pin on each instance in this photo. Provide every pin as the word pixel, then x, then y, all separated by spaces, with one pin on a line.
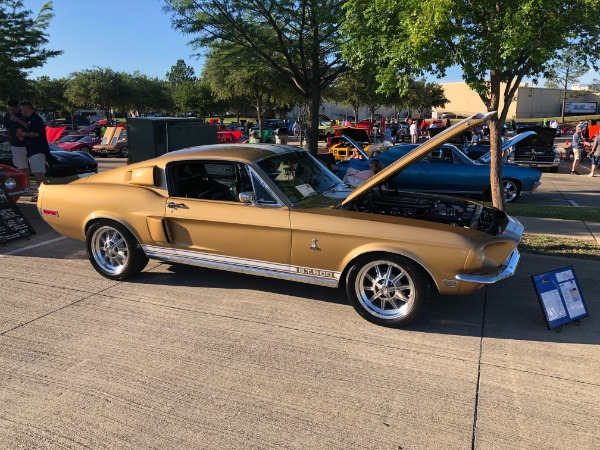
pixel 448 170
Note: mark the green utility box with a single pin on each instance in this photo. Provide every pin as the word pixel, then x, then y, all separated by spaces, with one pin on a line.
pixel 150 137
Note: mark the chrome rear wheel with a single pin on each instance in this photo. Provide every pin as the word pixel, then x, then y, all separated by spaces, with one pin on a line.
pixel 113 251
pixel 110 250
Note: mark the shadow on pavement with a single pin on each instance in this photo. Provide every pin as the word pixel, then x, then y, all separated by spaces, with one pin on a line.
pixel 512 311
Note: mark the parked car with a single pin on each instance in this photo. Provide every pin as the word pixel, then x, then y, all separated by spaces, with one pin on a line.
pixel 60 163
pixel 84 144
pixel 447 170
pixel 326 129
pixel 276 211
pixel 340 148
pixel 13 182
pixel 117 148
pixel 69 138
pixel 537 150
pixel 224 137
pixel 402 131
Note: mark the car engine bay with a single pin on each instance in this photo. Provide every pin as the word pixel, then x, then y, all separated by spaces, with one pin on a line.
pixel 441 209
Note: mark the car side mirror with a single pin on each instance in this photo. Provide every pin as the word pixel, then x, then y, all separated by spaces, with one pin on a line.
pixel 247 197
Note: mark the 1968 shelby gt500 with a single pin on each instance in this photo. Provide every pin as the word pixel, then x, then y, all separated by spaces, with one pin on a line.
pixel 276 211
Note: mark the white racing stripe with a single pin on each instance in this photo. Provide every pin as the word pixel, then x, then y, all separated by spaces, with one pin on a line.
pixel 29 247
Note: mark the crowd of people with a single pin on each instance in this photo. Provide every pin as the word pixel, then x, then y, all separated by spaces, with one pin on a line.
pixel 26 134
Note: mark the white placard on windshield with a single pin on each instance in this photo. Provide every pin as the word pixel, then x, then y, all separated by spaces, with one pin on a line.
pixel 306 190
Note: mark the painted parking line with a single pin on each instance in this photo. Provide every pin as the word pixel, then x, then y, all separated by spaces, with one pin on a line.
pixel 29 247
pixel 573 203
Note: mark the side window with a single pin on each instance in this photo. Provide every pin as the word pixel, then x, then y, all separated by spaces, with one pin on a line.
pixel 219 180
pixel 441 155
pixel 261 193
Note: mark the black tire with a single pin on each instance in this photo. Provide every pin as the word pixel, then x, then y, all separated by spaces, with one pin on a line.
pixel 85 149
pixel 382 275
pixel 553 169
pixel 113 251
pixel 124 152
pixel 511 189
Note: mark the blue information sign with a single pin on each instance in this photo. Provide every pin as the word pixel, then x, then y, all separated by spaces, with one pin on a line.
pixel 560 296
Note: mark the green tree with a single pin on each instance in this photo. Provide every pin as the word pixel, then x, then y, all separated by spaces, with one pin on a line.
pixel 48 94
pixel 180 73
pixel 564 72
pixel 424 96
pixel 194 96
pixel 497 43
pixel 22 45
pixel 100 88
pixel 299 39
pixel 233 75
pixel 146 94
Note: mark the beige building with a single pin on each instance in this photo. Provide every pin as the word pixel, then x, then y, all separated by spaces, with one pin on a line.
pixel 528 101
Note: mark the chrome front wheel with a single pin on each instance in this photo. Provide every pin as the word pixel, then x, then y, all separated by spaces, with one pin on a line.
pixel 389 291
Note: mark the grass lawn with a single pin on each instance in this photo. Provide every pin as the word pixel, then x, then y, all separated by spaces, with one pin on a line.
pixel 554 246
pixel 587 214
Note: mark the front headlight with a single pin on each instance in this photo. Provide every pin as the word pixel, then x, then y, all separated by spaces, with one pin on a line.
pixel 10 183
pixel 511 157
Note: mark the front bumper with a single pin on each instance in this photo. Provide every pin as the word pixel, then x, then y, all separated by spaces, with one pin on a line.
pixel 508 269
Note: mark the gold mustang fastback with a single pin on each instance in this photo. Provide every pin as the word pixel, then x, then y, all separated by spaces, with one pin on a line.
pixel 276 211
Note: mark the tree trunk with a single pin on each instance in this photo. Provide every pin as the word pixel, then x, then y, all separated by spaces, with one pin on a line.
pixel 496 188
pixel 564 99
pixel 259 117
pixel 312 130
pixel 355 115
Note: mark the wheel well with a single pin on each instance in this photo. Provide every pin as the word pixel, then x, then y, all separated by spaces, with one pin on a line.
pixel 514 180
pixel 99 219
pixel 488 191
pixel 375 254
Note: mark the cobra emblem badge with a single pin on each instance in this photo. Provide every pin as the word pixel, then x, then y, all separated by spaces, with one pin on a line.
pixel 314 245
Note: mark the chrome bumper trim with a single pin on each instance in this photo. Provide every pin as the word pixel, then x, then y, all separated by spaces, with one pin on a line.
pixel 508 269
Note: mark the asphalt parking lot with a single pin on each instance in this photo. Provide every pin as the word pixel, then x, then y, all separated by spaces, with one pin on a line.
pixel 184 357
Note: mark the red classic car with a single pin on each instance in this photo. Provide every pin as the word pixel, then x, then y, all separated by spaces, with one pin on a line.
pixel 69 138
pixel 84 144
pixel 224 137
pixel 13 182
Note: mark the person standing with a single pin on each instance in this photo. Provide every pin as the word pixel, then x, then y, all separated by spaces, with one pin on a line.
pixel 17 144
pixel 414 136
pixel 577 146
pixel 595 155
pixel 36 142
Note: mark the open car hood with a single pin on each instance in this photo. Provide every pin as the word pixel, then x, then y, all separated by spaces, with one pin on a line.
pixel 485 159
pixel 418 153
pixel 544 137
pixel 357 134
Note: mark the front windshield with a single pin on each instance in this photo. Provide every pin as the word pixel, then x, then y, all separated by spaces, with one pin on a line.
pixel 69 139
pixel 87 139
pixel 298 175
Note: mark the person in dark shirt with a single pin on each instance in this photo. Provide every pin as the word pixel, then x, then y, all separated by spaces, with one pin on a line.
pixel 17 144
pixel 35 142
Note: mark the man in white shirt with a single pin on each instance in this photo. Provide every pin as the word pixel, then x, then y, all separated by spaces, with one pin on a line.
pixel 414 132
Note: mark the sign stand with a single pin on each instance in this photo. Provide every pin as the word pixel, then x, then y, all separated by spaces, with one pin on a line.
pixel 560 298
pixel 13 224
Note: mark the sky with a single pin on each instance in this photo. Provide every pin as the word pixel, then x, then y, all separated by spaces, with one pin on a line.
pixel 129 35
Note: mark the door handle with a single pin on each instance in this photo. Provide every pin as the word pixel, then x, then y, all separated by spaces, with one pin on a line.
pixel 174 205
